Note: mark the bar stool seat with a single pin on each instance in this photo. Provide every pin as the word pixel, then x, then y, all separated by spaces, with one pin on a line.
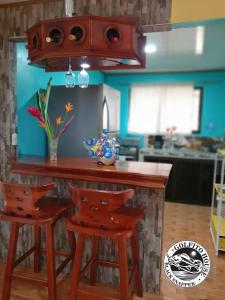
pixel 102 214
pixel 28 204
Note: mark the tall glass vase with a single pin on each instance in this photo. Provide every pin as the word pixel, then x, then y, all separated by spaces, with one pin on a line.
pixel 53 147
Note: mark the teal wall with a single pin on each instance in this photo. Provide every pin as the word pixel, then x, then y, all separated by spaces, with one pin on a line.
pixel 213 83
pixel 31 137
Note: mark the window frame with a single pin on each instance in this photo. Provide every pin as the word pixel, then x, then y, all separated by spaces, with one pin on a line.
pixel 201 90
pixel 198 131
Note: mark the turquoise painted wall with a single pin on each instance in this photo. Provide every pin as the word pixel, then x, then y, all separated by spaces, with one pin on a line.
pixel 213 83
pixel 31 137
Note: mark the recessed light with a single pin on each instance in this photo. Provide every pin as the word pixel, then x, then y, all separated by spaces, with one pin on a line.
pixel 199 41
pixel 85 65
pixel 150 48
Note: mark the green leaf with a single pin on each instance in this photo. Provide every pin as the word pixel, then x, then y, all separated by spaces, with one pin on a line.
pixel 48 131
pixel 40 104
pixel 49 125
pixel 47 96
pixel 38 100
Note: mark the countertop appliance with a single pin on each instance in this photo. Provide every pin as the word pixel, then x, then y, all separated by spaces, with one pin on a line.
pixel 129 148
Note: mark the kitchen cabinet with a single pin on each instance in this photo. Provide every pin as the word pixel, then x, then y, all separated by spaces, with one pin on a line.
pixel 190 180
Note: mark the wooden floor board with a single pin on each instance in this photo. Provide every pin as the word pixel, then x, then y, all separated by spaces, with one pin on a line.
pixel 181 222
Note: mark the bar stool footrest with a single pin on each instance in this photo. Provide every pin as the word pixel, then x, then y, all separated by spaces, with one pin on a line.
pixel 38 281
pixel 111 264
pixel 57 253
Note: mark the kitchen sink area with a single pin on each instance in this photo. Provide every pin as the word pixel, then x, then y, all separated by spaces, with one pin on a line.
pixel 176 153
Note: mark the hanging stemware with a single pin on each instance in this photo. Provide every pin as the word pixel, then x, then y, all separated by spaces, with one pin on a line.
pixel 69 77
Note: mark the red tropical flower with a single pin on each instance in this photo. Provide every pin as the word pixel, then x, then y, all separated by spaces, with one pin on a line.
pixel 35 112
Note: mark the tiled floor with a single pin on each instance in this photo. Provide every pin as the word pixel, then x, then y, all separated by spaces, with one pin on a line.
pixel 187 222
pixel 181 222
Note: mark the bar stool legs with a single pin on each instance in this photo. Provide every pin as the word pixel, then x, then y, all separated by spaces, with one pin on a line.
pixel 77 267
pixel 123 265
pixel 37 251
pixel 93 265
pixel 14 231
pixel 50 255
pixel 123 268
pixel 50 258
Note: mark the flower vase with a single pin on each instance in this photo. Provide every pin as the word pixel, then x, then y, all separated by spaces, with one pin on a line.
pixel 53 146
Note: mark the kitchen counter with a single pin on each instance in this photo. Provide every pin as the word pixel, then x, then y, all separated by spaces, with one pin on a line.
pixel 176 153
pixel 191 178
pixel 149 181
pixel 123 172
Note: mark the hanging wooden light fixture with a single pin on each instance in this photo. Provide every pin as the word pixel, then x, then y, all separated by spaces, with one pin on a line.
pixel 103 42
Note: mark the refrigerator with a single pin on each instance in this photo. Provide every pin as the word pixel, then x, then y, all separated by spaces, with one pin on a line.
pixel 95 108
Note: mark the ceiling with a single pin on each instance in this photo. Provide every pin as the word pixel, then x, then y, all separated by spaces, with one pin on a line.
pixel 176 49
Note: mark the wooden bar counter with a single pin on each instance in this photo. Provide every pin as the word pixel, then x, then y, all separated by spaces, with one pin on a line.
pixel 149 181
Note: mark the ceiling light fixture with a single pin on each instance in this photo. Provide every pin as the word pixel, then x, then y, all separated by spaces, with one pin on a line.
pixel 150 48
pixel 199 40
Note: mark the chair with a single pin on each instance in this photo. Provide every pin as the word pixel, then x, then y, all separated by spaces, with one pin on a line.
pixel 102 214
pixel 27 204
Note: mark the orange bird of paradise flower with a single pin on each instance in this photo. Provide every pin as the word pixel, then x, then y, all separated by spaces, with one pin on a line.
pixel 59 120
pixel 68 106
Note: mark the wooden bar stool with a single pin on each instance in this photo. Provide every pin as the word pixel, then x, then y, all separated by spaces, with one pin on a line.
pixel 27 204
pixel 102 214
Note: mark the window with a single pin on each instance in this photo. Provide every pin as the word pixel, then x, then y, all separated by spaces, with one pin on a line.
pixel 153 108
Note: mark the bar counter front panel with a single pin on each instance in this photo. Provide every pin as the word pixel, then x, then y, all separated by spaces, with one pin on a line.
pixel 148 180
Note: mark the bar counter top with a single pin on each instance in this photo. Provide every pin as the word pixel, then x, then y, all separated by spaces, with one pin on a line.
pixel 154 175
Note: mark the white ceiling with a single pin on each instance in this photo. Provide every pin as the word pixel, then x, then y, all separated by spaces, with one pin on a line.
pixel 176 50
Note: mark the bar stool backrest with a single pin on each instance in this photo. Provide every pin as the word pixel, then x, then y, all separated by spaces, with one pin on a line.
pixel 96 206
pixel 21 199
